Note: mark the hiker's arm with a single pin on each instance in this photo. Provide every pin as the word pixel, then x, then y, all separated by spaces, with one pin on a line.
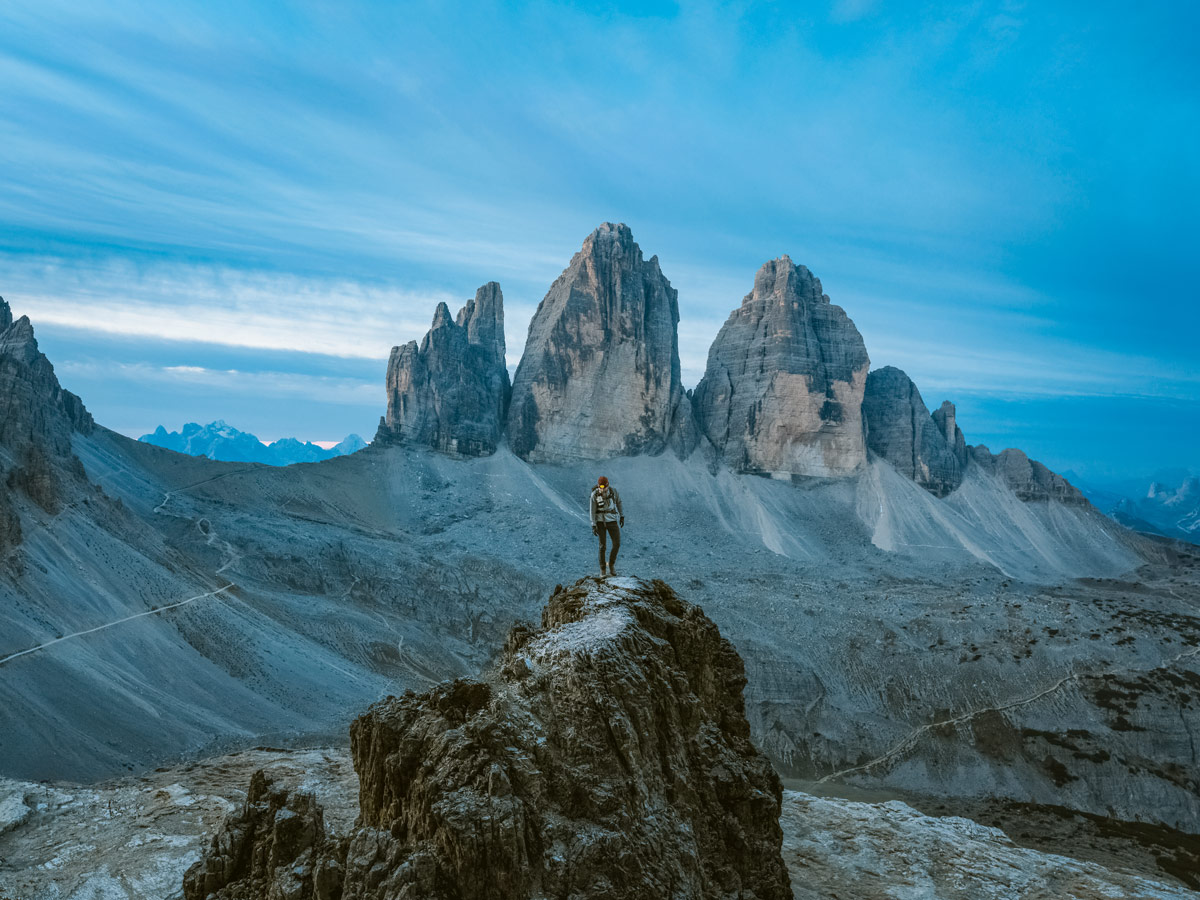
pixel 620 511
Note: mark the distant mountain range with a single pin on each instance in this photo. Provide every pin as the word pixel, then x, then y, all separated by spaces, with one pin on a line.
pixel 220 440
pixel 1161 509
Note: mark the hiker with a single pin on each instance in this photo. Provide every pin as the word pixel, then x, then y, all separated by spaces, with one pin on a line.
pixel 607 521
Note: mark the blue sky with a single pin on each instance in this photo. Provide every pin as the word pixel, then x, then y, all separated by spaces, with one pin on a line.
pixel 230 210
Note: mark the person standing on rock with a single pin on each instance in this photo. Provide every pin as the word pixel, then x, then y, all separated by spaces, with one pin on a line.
pixel 607 521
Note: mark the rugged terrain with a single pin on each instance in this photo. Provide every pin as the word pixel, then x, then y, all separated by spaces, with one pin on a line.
pixel 979 635
pixel 605 755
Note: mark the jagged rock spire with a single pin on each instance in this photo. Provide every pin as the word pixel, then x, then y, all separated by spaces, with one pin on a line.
pixel 901 430
pixel 451 391
pixel 782 392
pixel 600 374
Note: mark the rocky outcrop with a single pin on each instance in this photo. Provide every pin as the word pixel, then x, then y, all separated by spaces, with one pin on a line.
pixel 34 409
pixel 782 392
pixel 600 374
pixel 606 756
pixel 1027 478
pixel 37 420
pixel 451 391
pixel 901 430
pixel 946 419
pixel 275 845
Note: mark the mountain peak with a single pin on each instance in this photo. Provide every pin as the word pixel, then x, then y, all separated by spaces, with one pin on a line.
pixel 451 392
pixel 782 391
pixel 607 328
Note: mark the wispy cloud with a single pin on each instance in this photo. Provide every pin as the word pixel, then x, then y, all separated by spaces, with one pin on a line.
pixel 273 385
pixel 314 179
pixel 214 305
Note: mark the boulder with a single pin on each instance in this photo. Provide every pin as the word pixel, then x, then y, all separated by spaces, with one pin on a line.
pixel 599 377
pixel 782 391
pixel 451 391
pixel 607 755
pixel 901 430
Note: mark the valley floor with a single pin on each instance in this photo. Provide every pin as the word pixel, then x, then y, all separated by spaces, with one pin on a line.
pixel 133 838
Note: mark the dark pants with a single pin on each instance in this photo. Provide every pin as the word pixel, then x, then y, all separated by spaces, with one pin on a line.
pixel 606 529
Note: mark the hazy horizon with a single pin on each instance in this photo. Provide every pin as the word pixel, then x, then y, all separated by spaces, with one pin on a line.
pixel 233 213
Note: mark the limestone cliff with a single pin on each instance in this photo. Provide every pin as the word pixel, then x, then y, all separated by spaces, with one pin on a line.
pixel 600 374
pixel 451 391
pixel 607 755
pixel 34 409
pixel 37 420
pixel 782 392
pixel 901 430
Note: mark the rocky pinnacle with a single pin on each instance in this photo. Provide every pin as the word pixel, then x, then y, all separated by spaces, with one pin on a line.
pixel 451 391
pixel 600 373
pixel 607 755
pixel 782 393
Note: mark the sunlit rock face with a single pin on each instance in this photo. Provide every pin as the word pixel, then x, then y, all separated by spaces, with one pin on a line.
pixel 782 393
pixel 451 391
pixel 901 430
pixel 600 374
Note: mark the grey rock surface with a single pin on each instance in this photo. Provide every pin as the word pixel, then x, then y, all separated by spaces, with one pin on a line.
pixel 901 430
pixel 451 391
pixel 1025 477
pixel 134 838
pixel 38 419
pixel 607 756
pixel 782 391
pixel 600 374
pixel 34 408
pixel 946 418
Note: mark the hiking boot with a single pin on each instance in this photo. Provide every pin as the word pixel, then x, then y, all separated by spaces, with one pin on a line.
pixel 603 572
pixel 612 570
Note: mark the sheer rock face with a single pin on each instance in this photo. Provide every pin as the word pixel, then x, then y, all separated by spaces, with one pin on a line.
pixel 34 409
pixel 1027 478
pixel 37 419
pixel 901 430
pixel 782 393
pixel 451 392
pixel 946 419
pixel 600 374
pixel 606 756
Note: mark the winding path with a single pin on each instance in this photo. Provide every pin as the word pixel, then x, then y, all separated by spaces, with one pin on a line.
pixel 911 739
pixel 149 612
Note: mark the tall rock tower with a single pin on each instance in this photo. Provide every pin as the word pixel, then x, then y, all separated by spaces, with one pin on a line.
pixel 782 392
pixel 451 392
pixel 600 374
pixel 901 430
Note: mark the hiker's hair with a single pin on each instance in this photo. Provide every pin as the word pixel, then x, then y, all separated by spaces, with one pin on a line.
pixel 602 480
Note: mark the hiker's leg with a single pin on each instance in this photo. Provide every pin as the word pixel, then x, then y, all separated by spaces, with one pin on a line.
pixel 615 531
pixel 603 539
